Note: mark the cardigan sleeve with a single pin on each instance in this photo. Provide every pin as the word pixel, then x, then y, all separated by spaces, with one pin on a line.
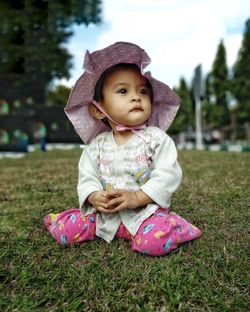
pixel 88 178
pixel 166 173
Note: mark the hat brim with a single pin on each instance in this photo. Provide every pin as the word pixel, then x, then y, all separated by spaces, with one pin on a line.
pixel 165 101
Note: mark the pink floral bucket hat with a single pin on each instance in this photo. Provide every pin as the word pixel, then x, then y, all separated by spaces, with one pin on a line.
pixel 165 101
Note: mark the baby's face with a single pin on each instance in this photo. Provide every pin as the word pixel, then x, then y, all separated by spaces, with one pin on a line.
pixel 126 97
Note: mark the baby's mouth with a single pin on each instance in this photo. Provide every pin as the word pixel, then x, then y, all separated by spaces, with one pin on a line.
pixel 137 109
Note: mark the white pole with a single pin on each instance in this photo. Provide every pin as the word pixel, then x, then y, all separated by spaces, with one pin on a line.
pixel 198 127
pixel 198 93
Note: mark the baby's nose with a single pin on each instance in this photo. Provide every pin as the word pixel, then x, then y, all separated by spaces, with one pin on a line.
pixel 136 98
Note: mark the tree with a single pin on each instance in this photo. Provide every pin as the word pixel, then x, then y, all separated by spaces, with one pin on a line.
pixel 241 78
pixel 207 113
pixel 210 110
pixel 184 119
pixel 220 87
pixel 58 96
pixel 32 34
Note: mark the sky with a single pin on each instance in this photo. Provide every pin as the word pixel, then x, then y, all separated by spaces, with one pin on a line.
pixel 178 35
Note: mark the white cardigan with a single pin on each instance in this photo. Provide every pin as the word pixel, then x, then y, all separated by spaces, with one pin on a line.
pixel 151 167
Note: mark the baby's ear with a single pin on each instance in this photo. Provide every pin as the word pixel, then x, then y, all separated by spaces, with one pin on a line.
pixel 95 112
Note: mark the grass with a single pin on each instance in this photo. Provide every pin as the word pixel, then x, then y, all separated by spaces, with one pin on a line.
pixel 210 274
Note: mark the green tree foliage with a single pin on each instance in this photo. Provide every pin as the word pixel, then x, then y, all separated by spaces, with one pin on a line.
pixel 32 34
pixel 207 106
pixel 241 78
pixel 211 111
pixel 220 87
pixel 185 116
pixel 58 96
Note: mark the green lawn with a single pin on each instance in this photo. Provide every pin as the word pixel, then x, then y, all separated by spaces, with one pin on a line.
pixel 210 274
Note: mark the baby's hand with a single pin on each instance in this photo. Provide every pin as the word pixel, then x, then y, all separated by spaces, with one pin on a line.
pixel 117 200
pixel 120 199
pixel 99 201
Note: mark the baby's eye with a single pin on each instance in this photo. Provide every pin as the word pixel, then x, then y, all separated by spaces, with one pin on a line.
pixel 144 91
pixel 122 91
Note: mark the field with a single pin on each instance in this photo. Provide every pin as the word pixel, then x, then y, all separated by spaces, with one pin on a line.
pixel 210 274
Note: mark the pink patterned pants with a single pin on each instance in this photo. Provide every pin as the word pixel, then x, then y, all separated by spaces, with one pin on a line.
pixel 158 235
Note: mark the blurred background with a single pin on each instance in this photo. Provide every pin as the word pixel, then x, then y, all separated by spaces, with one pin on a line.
pixel 43 42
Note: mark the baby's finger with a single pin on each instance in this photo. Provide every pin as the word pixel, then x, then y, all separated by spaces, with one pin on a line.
pixel 101 204
pixel 118 208
pixel 103 200
pixel 101 209
pixel 115 201
pixel 104 194
pixel 114 193
pixel 108 211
